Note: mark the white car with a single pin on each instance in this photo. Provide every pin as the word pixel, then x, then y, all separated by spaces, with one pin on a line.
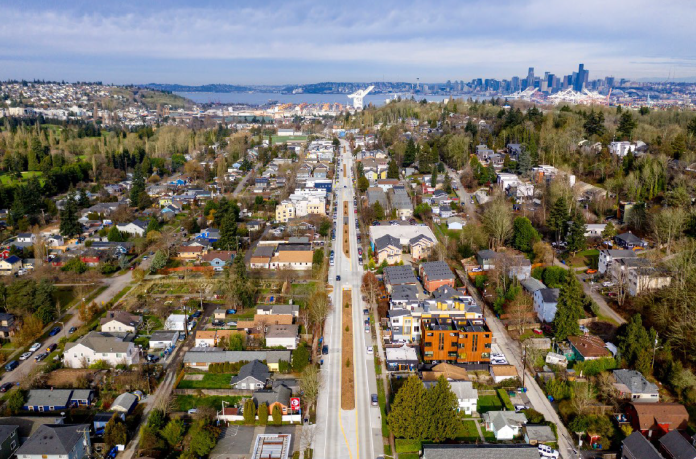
pixel 607 284
pixel 231 324
pixel 369 350
pixel 35 347
pixel 25 356
pixel 547 451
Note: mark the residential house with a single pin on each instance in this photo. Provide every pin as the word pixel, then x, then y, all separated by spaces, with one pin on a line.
pixel 480 451
pixel 278 396
pixel 218 258
pixel 630 241
pixel 253 375
pixel 401 203
pixel 401 358
pixel 9 441
pixel 654 420
pixel 607 257
pixel 467 396
pixel 622 148
pixel 211 338
pixel 520 267
pixel 588 347
pixel 57 441
pixel 134 228
pixel 285 211
pixel 621 268
pixel 201 358
pixel 26 238
pixel 448 371
pixel 190 252
pixel 120 321
pixel 261 258
pixel 531 285
pixel 636 446
pixel 375 195
pixel 96 346
pixel 124 403
pixel 641 280
pixel 282 335
pixel 455 223
pixel 278 309
pixel 486 259
pixel 674 446
pixel 209 234
pixel 420 246
pixel 387 248
pixel 546 303
pixel 500 373
pixel 632 385
pixel 455 340
pixel 7 325
pixel 436 274
pixel 398 275
pixel 292 259
pixel 57 399
pixel 505 425
pixel 176 322
pixel 405 233
pixel 163 339
pixel 10 265
pixel 538 434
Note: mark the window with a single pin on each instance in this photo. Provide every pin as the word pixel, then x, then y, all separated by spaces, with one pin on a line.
pixel 13 445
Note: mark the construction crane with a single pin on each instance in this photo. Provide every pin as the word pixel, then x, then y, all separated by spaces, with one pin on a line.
pixel 358 96
pixel 523 95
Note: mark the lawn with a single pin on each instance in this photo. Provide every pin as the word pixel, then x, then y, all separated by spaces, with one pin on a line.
pixel 186 402
pixel 65 296
pixel 488 403
pixel 407 446
pixel 588 258
pixel 468 432
pixel 10 179
pixel 209 381
pixel 409 456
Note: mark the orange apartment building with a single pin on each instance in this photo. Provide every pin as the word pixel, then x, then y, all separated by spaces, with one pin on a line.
pixel 456 340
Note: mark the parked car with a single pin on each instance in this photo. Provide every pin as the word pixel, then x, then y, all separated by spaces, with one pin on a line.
pixel 232 324
pixel 370 350
pixel 72 330
pixel 360 251
pixel 231 311
pixel 196 314
pixel 325 349
pixel 7 386
pixel 366 311
pixel 152 358
pixel 54 331
pixel 547 452
pixel 41 356
pixel 35 347
pixel 375 400
pixel 607 284
pixel 25 356
pixel 338 278
pixel 51 348
pixel 11 365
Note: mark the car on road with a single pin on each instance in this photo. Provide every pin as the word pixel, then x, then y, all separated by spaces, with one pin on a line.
pixel 25 356
pixel 35 347
pixel 547 452
pixel 325 349
pixel 72 330
pixel 41 356
pixel 519 408
pixel 367 328
pixel 192 411
pixel 359 250
pixel 338 278
pixel 370 350
pixel 51 348
pixel 11 365
pixel 54 331
pixel 7 386
pixel 591 271
pixel 375 400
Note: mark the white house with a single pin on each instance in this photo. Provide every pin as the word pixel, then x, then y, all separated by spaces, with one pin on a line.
pixel 607 257
pixel 135 228
pixel 96 346
pixel 163 339
pixel 120 321
pixel 621 149
pixel 594 229
pixel 175 322
pixel 546 303
pixel 506 425
pixel 26 238
pixel 466 395
pixel 282 335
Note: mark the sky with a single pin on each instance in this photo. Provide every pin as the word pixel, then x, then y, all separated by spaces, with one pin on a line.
pixel 297 41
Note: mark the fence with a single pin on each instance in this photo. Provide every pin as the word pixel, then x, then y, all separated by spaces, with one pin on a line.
pixel 236 417
pixel 224 392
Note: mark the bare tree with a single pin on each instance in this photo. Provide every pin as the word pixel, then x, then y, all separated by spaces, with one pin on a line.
pixel 497 219
pixel 318 307
pixel 310 384
pixel 667 226
pixel 584 397
pixel 370 287
pixel 620 285
pixel 521 311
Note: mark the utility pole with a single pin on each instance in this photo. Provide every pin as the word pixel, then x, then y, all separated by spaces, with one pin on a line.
pixel 652 363
pixel 524 364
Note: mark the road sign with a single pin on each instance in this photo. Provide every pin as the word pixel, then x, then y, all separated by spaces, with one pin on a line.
pixel 295 403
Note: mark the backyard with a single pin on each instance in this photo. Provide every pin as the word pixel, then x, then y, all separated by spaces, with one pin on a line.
pixel 209 381
pixel 187 402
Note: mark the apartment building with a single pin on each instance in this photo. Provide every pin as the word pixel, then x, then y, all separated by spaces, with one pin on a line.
pixel 455 340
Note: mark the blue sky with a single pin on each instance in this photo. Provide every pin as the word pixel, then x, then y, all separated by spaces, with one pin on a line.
pixel 297 41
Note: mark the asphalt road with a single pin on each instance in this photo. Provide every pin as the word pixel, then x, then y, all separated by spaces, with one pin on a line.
pixel 356 433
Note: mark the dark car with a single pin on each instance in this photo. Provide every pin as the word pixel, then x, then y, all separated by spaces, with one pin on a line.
pixel 54 331
pixel 7 386
pixel 196 314
pixel 152 358
pixel 51 348
pixel 338 278
pixel 375 400
pixel 231 311
pixel 11 365
pixel 366 311
pixel 325 349
pixel 359 250
pixel 41 356
pixel 72 330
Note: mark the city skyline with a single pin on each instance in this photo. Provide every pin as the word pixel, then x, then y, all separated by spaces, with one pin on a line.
pixel 300 42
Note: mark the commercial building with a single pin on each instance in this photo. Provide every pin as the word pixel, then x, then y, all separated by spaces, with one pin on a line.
pixel 455 340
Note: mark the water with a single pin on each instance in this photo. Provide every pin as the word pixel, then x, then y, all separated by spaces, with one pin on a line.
pixel 262 98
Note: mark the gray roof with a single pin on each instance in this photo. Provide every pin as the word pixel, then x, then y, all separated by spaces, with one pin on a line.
pixel 399 275
pixel 6 431
pixel 264 251
pixel 163 335
pixel 446 292
pixel 620 253
pixel 400 199
pixel 48 397
pixel 417 238
pixel 254 369
pixel 398 312
pixel 486 254
pixel 630 238
pixel 640 447
pixel 437 270
pixel 542 434
pixel 102 343
pixel 402 293
pixel 124 402
pixel 217 355
pixel 283 309
pixel 500 419
pixel 53 439
pixel 635 382
pixel 532 285
pixel 279 393
pixel 549 295
pixel 464 389
pixel 677 446
pixel 480 451
pixel 385 241
pixel 282 331
pixel 375 194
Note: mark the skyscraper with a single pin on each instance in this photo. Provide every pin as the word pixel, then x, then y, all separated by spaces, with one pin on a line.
pixel 530 78
pixel 580 80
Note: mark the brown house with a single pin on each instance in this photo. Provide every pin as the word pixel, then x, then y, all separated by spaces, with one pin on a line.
pixel 654 420
pixel 456 340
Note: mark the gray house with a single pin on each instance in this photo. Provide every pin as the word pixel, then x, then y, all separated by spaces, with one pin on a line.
pixel 124 403
pixel 633 385
pixel 253 375
pixel 546 303
pixel 636 446
pixel 674 446
pixel 280 394
pixel 9 441
pixel 57 441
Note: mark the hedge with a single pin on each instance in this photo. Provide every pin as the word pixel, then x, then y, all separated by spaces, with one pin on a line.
pixel 505 399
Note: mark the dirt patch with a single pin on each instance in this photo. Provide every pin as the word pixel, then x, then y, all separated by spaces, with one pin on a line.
pixel 194 377
pixel 68 377
pixel 347 371
pixel 346 229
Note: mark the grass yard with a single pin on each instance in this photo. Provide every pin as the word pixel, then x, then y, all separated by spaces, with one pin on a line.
pixel 409 456
pixel 488 403
pixel 407 446
pixel 65 296
pixel 488 436
pixel 186 402
pixel 10 179
pixel 156 322
pixel 246 315
pixel 468 432
pixel 209 381
pixel 589 258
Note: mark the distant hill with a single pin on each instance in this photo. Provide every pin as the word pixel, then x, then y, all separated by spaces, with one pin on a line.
pixel 203 88
pixel 314 88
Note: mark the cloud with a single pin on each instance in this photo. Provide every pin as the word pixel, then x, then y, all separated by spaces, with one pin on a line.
pixel 443 39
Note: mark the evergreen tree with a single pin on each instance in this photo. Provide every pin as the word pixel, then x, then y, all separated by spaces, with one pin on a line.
pixel 152 225
pixel 69 224
pixel 393 170
pixel 634 342
pixel 159 261
pixel 576 234
pixel 524 235
pixel 557 220
pixel 571 300
pixel 407 418
pixel 626 125
pixel 115 432
pixel 228 233
pixel 433 177
pixel 277 415
pixel 379 210
pixel 609 231
pixel 443 419
pixel 594 123
pixel 363 184
pixel 410 153
pixel 249 412
pixel 114 235
pixel 137 186
pixel 83 200
pixel 263 414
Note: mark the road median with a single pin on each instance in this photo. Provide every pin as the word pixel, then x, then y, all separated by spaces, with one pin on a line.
pixel 347 364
